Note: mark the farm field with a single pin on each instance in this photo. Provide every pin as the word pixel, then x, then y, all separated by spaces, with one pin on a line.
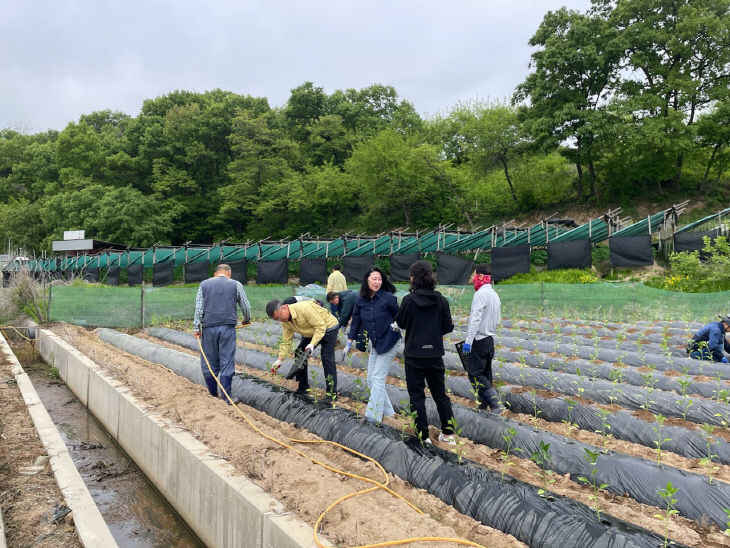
pixel 612 435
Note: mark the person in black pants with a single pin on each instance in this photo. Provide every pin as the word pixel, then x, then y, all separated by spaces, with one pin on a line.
pixel 425 315
pixel 486 309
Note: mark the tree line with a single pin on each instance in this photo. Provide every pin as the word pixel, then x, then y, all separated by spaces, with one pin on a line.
pixel 626 99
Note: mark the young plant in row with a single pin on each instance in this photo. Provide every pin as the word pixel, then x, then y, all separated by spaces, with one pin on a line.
pixel 456 430
pixel 541 457
pixel 508 437
pixel 569 423
pixel 408 418
pixel 604 431
pixel 707 462
pixel 667 493
pixel 659 419
pixel 592 458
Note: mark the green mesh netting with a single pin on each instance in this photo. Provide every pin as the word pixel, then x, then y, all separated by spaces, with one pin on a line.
pixel 122 307
pixel 99 306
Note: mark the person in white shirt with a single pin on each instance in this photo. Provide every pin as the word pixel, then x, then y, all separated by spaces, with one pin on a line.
pixel 479 343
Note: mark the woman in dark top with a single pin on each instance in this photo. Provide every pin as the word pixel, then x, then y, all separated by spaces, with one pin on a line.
pixel 372 318
pixel 426 317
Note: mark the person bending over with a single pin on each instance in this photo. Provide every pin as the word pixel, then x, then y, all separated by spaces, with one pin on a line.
pixel 709 342
pixel 317 327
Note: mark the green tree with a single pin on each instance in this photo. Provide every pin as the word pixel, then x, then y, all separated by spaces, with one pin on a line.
pixel 576 69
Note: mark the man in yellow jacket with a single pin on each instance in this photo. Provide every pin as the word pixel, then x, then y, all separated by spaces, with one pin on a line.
pixel 336 282
pixel 317 327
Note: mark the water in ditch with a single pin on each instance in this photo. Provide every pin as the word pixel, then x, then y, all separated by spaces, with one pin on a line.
pixel 137 516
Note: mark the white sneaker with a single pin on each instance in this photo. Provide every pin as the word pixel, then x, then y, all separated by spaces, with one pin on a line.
pixel 447 438
pixel 428 441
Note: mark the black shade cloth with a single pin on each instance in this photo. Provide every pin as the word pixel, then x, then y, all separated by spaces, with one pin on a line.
pixel 91 274
pixel 508 261
pixel 162 274
pixel 355 267
pixel 69 274
pixel 6 278
pixel 692 241
pixel 631 251
pixel 239 271
pixel 312 271
pixel 272 272
pixel 571 254
pixel 399 265
pixel 452 270
pixel 195 272
pixel 112 275
pixel 135 274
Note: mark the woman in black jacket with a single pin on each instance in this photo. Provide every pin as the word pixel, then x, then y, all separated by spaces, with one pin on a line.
pixel 425 315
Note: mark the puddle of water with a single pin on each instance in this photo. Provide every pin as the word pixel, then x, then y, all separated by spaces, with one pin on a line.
pixel 137 516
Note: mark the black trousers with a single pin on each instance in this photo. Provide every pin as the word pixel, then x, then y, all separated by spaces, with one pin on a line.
pixel 420 371
pixel 327 344
pixel 480 367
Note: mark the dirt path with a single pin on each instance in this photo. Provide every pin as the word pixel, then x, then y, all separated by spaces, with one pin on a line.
pixel 28 501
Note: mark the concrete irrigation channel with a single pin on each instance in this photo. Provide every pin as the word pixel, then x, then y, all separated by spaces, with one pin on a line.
pixel 222 509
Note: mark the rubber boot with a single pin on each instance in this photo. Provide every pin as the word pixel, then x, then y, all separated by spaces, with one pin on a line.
pixel 495 405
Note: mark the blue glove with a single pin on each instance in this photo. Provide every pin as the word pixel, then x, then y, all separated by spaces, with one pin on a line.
pixel 724 360
pixel 466 348
pixel 346 351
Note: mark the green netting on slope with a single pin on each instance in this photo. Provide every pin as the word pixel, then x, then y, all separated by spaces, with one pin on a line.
pixel 99 306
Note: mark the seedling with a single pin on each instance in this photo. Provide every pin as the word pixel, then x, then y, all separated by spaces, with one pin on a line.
pixel 569 422
pixel 685 403
pixel 312 390
pixel 592 458
pixel 541 458
pixel 727 523
pixel 668 495
pixel 476 386
pixel 456 429
pixel 409 418
pixel 603 414
pixel 707 462
pixel 331 392
pixel 508 437
pixel 535 410
pixel 659 419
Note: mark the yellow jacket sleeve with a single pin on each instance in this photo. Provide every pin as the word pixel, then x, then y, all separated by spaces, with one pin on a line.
pixel 287 340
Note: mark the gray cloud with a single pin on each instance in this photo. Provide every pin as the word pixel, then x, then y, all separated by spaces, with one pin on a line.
pixel 59 60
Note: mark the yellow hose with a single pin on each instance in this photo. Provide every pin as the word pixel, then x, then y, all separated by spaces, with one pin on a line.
pixel 376 485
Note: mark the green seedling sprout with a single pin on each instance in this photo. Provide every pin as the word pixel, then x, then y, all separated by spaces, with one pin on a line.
pixel 685 403
pixel 541 457
pixel 659 419
pixel 592 458
pixel 535 410
pixel 727 523
pixel 456 429
pixel 571 403
pixel 604 431
pixel 331 393
pixel 312 390
pixel 668 495
pixel 508 437
pixel 707 462
pixel 474 389
pixel 409 418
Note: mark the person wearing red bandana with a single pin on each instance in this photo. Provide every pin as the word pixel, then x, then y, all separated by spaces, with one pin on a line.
pixel 479 343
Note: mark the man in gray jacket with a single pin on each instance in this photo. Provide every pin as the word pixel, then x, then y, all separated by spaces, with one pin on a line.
pixel 215 311
pixel 479 343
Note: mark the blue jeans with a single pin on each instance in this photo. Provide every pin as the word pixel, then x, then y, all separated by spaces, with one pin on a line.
pixel 219 345
pixel 379 401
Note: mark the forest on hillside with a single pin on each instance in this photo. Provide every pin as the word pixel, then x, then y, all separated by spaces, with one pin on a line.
pixel 628 99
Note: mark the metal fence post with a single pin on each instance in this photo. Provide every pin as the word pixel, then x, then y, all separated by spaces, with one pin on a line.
pixel 142 306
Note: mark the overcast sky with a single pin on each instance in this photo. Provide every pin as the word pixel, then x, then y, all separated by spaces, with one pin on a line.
pixel 63 58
